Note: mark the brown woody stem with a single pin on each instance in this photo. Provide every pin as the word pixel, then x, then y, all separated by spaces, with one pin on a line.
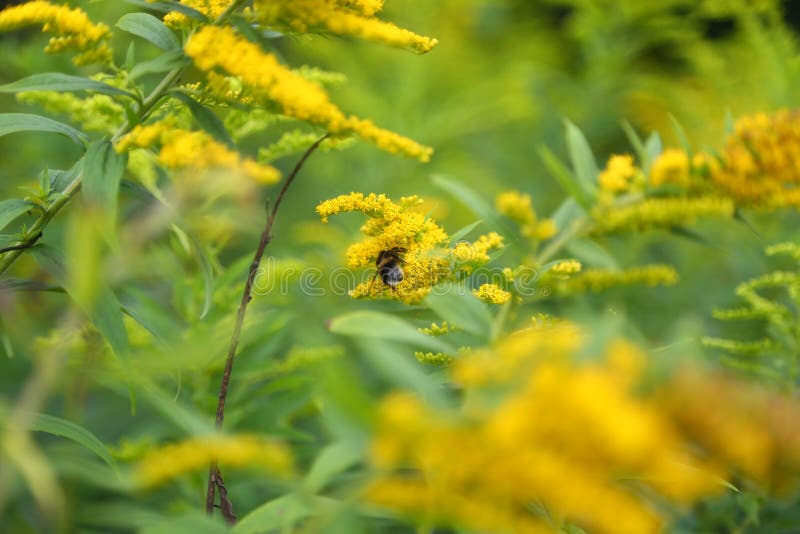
pixel 214 475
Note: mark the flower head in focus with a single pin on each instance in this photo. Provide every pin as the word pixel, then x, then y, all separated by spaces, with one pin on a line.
pixel 426 260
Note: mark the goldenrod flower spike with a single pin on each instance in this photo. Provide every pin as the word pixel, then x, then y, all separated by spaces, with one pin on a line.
pixel 341 17
pixel 660 213
pixel 71 29
pixel 168 462
pixel 602 279
pixel 194 150
pixel 425 260
pixel 394 226
pixel 221 49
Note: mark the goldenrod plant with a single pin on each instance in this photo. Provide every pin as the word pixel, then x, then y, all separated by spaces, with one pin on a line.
pixel 263 268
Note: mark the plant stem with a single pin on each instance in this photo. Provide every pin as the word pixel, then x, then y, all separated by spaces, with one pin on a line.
pixel 555 245
pixel 214 476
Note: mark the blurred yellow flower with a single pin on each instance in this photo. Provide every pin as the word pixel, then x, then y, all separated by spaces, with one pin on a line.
pixel 602 279
pixel 221 48
pixel 341 17
pixel 660 213
pixel 554 432
pixel 567 267
pixel 760 164
pixel 516 206
pixel 168 462
pixel 619 173
pixel 210 8
pixel 195 151
pixel 71 27
pixel 670 167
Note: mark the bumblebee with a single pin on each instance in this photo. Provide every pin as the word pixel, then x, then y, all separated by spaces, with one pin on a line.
pixel 388 264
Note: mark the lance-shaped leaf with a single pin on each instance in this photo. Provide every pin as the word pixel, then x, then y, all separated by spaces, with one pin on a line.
pixel 150 28
pixel 57 81
pixel 26 122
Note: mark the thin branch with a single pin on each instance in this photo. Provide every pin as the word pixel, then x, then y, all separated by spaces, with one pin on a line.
pixel 214 476
pixel 28 243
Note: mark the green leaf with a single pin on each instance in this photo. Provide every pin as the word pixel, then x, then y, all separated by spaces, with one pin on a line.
pixel 163 63
pixel 462 310
pixel 331 460
pixel 104 312
pixel 567 213
pixel 474 201
pixel 463 232
pixel 166 7
pixel 190 522
pixel 281 513
pixel 205 118
pixel 183 417
pixel 566 179
pixel 653 146
pixel 637 144
pixel 149 28
pixel 72 431
pixel 680 133
pixel 583 163
pixel 591 253
pixel 57 81
pixel 205 266
pixel 11 209
pixel 370 324
pixel 103 168
pixel 26 122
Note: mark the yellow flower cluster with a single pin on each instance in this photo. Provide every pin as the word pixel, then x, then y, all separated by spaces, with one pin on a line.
pixel 210 8
pixel 750 428
pixel 419 240
pixel 394 226
pixel 194 151
pixel 567 267
pixel 168 462
pixel 659 213
pixel 492 293
pixel 433 358
pixel 619 174
pixel 340 17
pixel 519 208
pixel 602 279
pixel 97 113
pixel 71 29
pixel 760 164
pixel 562 436
pixel 469 255
pixel 568 436
pixel 670 167
pixel 516 206
pixel 221 48
pixel 438 330
pixel 367 8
